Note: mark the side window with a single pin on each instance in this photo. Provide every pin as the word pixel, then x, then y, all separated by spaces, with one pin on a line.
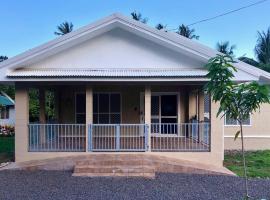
pixel 232 122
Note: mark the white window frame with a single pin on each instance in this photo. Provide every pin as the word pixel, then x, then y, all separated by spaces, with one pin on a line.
pixel 120 113
pixel 231 125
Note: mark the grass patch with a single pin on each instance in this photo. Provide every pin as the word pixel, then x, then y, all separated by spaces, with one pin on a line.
pixel 7 147
pixel 258 163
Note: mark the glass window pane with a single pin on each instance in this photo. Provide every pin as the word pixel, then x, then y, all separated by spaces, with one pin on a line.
pixel 115 119
pixel 169 105
pixel 80 103
pixel 95 103
pixel 95 118
pixel 115 102
pixel 246 121
pixel 80 118
pixel 155 105
pixel 230 121
pixel 103 103
pixel 104 119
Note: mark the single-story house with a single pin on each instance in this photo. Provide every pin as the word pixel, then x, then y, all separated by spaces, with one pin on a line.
pixel 7 110
pixel 121 86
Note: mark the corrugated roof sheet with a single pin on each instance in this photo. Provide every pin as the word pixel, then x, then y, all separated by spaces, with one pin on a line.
pixel 4 101
pixel 97 73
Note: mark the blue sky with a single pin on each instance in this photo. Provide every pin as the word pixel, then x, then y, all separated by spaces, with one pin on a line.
pixel 26 24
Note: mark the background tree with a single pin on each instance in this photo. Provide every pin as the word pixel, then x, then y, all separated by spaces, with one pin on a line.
pixel 249 61
pixel 138 17
pixel 237 101
pixel 262 50
pixel 187 32
pixel 2 58
pixel 64 28
pixel 160 26
pixel 224 47
pixel 8 89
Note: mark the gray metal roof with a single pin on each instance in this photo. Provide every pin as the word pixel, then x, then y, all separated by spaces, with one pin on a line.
pixel 97 73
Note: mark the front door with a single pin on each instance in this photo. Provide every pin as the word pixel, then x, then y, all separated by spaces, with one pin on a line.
pixel 164 112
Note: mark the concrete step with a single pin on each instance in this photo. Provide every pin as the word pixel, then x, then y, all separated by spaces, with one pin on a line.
pixel 145 175
pixel 113 169
pixel 130 162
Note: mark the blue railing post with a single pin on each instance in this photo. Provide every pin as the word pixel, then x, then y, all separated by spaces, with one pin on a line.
pixel 90 138
pixel 117 137
pixel 146 137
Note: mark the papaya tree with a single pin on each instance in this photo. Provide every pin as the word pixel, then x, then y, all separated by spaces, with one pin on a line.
pixel 237 100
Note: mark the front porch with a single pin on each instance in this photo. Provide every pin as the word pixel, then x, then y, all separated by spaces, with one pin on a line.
pixel 116 118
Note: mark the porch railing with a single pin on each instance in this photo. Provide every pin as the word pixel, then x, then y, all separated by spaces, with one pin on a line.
pixel 57 137
pixel 118 137
pixel 180 137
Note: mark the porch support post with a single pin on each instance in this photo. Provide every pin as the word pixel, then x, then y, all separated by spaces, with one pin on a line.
pixel 147 113
pixel 89 116
pixel 22 120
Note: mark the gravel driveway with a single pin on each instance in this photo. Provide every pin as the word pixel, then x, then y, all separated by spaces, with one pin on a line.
pixel 61 185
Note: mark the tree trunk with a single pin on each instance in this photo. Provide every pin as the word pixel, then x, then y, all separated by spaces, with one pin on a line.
pixel 244 160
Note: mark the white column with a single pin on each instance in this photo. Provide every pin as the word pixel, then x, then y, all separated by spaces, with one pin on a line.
pixel 21 125
pixel 147 112
pixel 89 110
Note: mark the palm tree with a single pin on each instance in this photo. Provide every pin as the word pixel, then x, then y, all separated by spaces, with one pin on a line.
pixel 138 17
pixel 187 32
pixel 224 47
pixel 160 26
pixel 2 58
pixel 262 48
pixel 249 61
pixel 64 28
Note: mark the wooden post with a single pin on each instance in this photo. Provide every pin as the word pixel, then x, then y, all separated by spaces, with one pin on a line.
pixel 147 113
pixel 88 115
pixel 22 120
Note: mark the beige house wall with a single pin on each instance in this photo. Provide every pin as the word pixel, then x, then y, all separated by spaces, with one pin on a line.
pixel 214 157
pixel 257 135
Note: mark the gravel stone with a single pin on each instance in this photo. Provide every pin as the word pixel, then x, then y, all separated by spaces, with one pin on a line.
pixel 54 185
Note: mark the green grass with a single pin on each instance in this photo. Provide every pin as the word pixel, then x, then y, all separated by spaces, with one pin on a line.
pixel 6 149
pixel 258 163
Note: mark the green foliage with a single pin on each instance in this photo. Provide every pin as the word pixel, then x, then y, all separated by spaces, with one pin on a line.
pixel 249 61
pixel 187 32
pixel 237 101
pixel 8 89
pixel 2 58
pixel 262 48
pixel 64 28
pixel 33 105
pixel 6 144
pixel 161 26
pixel 224 47
pixel 138 17
pixel 258 163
